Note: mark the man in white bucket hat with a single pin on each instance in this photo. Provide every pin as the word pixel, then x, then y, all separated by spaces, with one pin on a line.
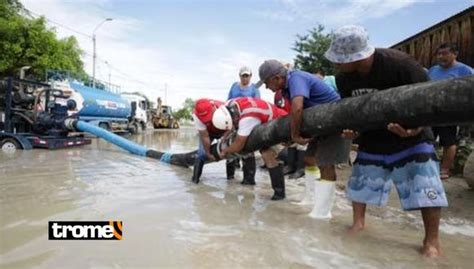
pixel 404 156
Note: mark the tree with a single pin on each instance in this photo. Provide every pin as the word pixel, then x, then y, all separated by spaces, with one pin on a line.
pixel 311 49
pixel 29 42
pixel 9 8
pixel 186 111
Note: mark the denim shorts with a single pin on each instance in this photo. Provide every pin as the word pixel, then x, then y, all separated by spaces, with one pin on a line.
pixel 414 171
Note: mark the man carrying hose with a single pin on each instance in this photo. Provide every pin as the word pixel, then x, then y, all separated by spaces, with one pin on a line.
pixel 405 156
pixel 243 114
pixel 323 153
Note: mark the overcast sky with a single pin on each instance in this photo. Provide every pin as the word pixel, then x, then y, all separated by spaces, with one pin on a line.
pixel 196 48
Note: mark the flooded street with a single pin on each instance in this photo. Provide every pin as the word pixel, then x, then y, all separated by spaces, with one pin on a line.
pixel 170 222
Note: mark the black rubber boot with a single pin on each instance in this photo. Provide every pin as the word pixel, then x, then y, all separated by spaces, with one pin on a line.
pixel 283 155
pixel 278 182
pixel 230 168
pixel 237 164
pixel 249 169
pixel 299 163
pixel 197 170
pixel 291 161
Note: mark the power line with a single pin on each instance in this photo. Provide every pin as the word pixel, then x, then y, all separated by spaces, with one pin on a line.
pixel 123 74
pixel 127 76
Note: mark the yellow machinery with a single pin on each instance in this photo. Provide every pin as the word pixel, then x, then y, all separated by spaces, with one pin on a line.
pixel 163 118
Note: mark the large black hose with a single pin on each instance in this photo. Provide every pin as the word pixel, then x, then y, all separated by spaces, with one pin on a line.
pixel 446 102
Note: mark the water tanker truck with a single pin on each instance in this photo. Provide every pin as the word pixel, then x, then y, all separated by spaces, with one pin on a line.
pixel 102 108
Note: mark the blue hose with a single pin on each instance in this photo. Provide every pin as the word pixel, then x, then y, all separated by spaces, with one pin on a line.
pixel 119 141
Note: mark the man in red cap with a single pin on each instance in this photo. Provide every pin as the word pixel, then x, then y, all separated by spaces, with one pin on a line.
pixel 202 115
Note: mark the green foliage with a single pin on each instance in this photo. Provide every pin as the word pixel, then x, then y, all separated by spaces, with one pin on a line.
pixel 185 113
pixel 311 49
pixel 10 8
pixel 28 42
pixel 462 154
pixel 465 147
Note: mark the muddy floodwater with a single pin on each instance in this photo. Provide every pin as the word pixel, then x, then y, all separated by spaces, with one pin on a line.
pixel 170 222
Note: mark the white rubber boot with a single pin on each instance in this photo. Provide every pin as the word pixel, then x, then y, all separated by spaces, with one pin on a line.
pixel 324 195
pixel 312 174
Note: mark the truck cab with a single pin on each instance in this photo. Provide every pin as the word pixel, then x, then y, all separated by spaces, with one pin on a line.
pixel 138 116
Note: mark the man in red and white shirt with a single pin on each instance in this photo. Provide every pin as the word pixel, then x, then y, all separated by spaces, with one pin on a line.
pixel 202 114
pixel 243 115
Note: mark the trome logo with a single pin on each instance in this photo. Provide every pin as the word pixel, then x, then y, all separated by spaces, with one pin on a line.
pixel 85 230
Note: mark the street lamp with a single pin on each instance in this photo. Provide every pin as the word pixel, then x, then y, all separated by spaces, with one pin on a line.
pixel 94 56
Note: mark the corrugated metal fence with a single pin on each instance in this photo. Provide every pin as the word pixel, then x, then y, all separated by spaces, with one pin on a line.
pixel 456 29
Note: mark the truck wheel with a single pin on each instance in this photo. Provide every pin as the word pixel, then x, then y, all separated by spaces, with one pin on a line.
pixel 138 128
pixel 104 126
pixel 150 125
pixel 9 145
pixel 469 171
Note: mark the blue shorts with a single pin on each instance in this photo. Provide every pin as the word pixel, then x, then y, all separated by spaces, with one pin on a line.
pixel 414 171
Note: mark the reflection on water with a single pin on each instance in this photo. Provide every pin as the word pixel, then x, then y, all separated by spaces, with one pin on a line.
pixel 171 222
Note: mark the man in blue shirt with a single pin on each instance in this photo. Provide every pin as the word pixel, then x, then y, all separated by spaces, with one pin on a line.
pixel 306 90
pixel 243 89
pixel 447 68
pixel 329 80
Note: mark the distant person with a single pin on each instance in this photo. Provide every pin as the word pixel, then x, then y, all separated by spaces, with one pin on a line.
pixel 243 88
pixel 447 67
pixel 405 156
pixel 243 114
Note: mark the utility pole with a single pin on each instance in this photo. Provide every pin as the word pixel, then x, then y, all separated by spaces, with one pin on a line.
pixel 93 61
pixel 110 71
pixel 166 93
pixel 94 55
